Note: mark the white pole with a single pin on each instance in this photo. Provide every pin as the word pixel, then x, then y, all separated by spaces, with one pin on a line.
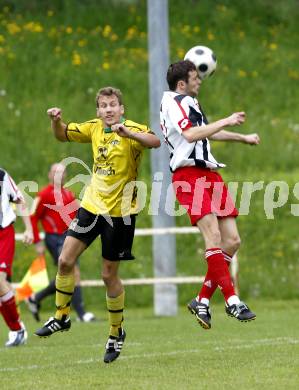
pixel 164 248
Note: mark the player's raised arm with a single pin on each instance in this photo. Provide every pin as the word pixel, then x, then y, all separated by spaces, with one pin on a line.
pixel 198 133
pixel 58 126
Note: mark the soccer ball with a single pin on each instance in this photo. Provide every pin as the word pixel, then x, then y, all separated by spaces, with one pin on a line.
pixel 204 59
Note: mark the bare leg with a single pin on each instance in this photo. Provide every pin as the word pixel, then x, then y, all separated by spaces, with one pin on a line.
pixel 230 243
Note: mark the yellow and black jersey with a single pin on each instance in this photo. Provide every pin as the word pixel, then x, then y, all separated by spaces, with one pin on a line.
pixel 115 166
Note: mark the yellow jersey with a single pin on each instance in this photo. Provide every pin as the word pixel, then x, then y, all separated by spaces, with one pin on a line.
pixel 116 160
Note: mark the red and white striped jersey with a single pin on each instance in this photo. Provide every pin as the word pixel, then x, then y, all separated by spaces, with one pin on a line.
pixel 9 192
pixel 177 114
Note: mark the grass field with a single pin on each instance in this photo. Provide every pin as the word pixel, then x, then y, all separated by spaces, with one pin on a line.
pixel 163 353
pixel 60 53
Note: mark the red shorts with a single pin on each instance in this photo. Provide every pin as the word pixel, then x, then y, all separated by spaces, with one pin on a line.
pixel 202 191
pixel 7 249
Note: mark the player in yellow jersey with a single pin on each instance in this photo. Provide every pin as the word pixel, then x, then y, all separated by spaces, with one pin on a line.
pixel 107 209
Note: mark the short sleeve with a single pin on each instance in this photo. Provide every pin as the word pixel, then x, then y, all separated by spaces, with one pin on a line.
pixel 178 113
pixel 79 132
pixel 12 190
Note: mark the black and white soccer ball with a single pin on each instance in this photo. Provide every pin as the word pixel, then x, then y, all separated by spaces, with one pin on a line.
pixel 204 59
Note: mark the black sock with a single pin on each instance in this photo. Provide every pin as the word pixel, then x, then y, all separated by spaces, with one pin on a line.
pixel 49 290
pixel 77 301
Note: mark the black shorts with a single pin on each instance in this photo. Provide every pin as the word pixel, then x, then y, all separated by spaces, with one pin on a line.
pixel 117 233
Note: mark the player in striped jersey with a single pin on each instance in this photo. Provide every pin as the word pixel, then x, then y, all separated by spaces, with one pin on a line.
pixel 200 188
pixel 9 193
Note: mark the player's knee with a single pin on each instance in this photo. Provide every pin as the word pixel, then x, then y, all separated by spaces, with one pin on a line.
pixel 65 265
pixel 107 277
pixel 233 244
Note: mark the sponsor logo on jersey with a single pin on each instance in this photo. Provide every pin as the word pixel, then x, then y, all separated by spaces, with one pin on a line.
pixel 102 153
pixel 184 123
pixel 105 172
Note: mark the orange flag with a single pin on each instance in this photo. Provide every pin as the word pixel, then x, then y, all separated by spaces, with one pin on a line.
pixel 35 279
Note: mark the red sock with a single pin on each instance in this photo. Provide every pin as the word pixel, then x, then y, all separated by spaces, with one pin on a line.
pixel 9 311
pixel 217 275
pixel 209 287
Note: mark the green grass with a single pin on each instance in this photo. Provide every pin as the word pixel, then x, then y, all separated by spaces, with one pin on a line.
pixel 164 353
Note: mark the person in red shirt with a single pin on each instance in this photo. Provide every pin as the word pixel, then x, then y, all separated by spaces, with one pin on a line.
pixel 9 193
pixel 54 206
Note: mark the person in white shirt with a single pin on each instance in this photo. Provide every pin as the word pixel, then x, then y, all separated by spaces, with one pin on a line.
pixel 200 188
pixel 9 193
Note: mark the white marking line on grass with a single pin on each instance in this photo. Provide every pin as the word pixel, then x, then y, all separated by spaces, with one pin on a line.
pixel 279 341
pixel 28 350
pixel 254 343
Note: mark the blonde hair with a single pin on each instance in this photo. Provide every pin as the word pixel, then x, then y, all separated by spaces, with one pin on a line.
pixel 109 91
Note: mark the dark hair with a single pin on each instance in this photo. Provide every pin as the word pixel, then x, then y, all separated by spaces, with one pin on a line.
pixel 109 91
pixel 179 71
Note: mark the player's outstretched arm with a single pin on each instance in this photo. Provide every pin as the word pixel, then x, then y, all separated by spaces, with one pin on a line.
pixel 58 125
pixel 197 133
pixel 149 140
pixel 223 135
